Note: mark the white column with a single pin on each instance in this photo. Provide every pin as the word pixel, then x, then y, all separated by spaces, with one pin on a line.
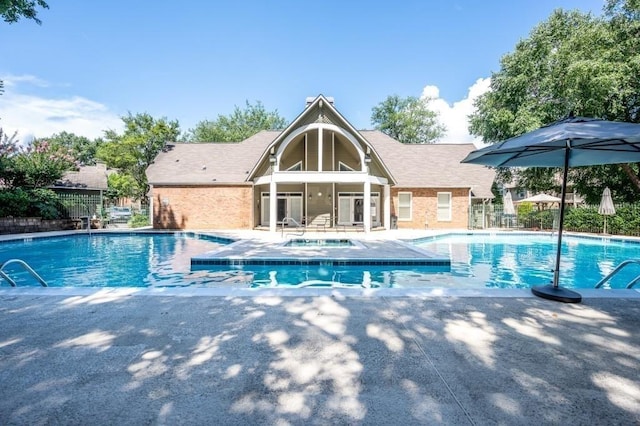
pixel 367 206
pixel 273 206
pixel 387 206
pixel 320 149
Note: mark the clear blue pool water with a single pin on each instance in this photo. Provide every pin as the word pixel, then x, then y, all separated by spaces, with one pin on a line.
pixel 109 260
pixel 523 261
pixel 477 261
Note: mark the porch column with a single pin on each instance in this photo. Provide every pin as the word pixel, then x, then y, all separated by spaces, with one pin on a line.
pixel 367 206
pixel 273 206
pixel 320 149
pixel 386 202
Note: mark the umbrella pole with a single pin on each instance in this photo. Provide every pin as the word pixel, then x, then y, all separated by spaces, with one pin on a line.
pixel 555 292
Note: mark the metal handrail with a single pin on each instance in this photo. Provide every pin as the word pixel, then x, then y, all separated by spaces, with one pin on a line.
pixel 618 269
pixel 295 222
pixel 28 268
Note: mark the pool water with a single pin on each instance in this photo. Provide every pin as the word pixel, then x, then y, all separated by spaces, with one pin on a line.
pixel 158 260
pixel 523 261
pixel 109 260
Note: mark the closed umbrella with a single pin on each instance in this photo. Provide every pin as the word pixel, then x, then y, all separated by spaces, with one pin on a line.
pixel 574 141
pixel 507 207
pixel 606 207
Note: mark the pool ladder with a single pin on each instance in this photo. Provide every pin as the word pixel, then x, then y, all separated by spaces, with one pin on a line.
pixel 24 264
pixel 618 269
pixel 299 228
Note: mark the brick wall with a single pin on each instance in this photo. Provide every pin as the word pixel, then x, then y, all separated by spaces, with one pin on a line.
pixel 203 207
pixel 424 207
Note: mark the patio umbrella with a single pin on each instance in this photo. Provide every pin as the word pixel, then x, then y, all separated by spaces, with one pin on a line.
pixel 606 207
pixel 507 206
pixel 574 141
pixel 541 199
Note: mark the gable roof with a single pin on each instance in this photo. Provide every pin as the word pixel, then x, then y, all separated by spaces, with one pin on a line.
pixel 208 163
pixel 431 165
pixel 87 177
pixel 322 110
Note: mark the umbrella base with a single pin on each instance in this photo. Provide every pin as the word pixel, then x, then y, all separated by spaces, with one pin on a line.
pixel 558 294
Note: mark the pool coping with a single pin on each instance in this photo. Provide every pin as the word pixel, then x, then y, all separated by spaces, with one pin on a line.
pixel 436 292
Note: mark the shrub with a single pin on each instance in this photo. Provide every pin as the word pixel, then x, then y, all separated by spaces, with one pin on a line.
pixel 18 202
pixel 139 220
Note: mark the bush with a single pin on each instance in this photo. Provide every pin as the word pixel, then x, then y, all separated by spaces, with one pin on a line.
pixel 139 220
pixel 18 202
pixel 14 203
pixel 46 204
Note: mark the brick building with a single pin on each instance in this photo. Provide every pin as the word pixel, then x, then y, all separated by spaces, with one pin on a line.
pixel 318 171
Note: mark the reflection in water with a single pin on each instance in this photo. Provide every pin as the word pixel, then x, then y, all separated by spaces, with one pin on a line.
pixel 522 261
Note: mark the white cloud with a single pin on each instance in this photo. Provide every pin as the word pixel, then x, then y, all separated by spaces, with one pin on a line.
pixel 40 116
pixel 11 80
pixel 454 116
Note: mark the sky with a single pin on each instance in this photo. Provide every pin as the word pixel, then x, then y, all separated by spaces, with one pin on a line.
pixel 92 62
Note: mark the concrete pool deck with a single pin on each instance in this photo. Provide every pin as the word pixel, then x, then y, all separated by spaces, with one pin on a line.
pixel 317 356
pixel 120 357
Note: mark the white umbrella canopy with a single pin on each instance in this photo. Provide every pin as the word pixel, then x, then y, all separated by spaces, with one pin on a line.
pixel 541 199
pixel 574 141
pixel 606 207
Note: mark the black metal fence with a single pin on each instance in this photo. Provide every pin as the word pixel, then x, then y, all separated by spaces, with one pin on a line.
pixel 583 218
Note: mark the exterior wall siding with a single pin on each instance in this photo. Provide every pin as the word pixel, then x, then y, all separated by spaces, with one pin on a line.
pixel 203 207
pixel 424 208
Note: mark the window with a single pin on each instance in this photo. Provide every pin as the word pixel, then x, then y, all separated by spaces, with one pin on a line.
pixel 344 167
pixel 404 205
pixel 444 206
pixel 296 167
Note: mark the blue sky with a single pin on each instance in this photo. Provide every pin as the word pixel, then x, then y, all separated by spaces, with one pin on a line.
pixel 91 62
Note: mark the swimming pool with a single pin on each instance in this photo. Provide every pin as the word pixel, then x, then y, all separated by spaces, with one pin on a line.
pixel 526 260
pixel 164 260
pixel 111 260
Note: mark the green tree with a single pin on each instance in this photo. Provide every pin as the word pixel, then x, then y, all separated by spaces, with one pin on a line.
pixel 571 63
pixel 12 10
pixel 134 150
pixel 408 120
pixel 37 166
pixel 121 186
pixel 237 126
pixel 81 147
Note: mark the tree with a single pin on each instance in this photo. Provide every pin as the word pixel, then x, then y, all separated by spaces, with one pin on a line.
pixel 408 120
pixel 238 125
pixel 81 147
pixel 133 151
pixel 121 186
pixel 37 166
pixel 571 63
pixel 12 10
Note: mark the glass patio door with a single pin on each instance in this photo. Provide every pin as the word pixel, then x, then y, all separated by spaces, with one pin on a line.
pixel 287 205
